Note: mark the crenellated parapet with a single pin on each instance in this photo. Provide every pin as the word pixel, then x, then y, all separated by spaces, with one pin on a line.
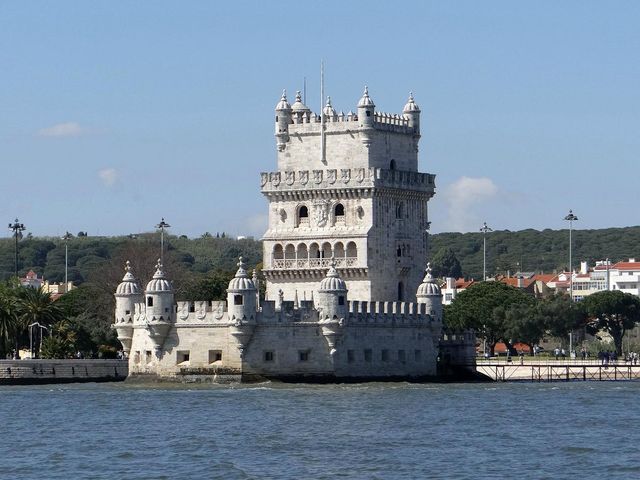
pixel 390 313
pixel 273 183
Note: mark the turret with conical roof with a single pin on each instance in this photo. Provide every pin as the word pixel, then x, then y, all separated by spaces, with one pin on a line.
pixel 366 109
pixel 411 112
pixel 127 295
pixel 283 119
pixel 159 306
pixel 241 295
pixel 299 109
pixel 332 294
pixel 429 293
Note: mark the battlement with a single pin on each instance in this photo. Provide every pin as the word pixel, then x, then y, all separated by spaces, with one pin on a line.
pixel 393 313
pixel 346 177
pixel 309 123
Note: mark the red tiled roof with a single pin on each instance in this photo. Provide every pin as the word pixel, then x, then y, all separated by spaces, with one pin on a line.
pixel 626 266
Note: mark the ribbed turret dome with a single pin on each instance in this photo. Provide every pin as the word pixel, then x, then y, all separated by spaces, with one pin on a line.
pixel 411 105
pixel 365 101
pixel 328 109
pixel 428 287
pixel 159 283
pixel 283 104
pixel 298 106
pixel 241 281
pixel 332 282
pixel 129 284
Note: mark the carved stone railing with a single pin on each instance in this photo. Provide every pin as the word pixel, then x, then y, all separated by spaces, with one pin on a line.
pixel 292 263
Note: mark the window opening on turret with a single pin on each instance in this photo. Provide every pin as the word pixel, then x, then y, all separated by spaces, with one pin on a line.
pixel 237 299
pixel 149 301
pixel 392 165
pixel 368 113
pixel 127 312
pixel 341 300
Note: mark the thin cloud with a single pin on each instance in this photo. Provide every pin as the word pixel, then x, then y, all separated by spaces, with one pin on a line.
pixel 67 129
pixel 463 197
pixel 109 176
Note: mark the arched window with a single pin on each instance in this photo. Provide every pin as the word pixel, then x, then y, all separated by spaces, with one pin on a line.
pixel 392 165
pixel 303 215
pixel 277 251
pixel 400 292
pixel 339 210
pixel 352 250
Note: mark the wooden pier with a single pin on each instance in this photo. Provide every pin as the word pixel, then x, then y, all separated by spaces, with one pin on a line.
pixel 557 371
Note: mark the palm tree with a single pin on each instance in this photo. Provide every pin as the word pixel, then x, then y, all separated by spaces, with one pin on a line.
pixel 8 318
pixel 37 306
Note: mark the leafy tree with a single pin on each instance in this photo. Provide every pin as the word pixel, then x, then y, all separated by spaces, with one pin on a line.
pixel 525 324
pixel 211 287
pixel 560 315
pixel 614 312
pixel 446 264
pixel 483 307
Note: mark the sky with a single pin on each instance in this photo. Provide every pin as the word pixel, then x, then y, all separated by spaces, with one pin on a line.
pixel 116 114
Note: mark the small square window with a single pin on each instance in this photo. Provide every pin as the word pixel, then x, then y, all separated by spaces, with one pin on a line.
pixel 149 301
pixel 341 300
pixel 215 356
pixel 237 299
pixel 384 355
pixel 127 312
pixel 182 356
pixel 368 355
pixel 351 357
pixel 303 355
pixel 268 356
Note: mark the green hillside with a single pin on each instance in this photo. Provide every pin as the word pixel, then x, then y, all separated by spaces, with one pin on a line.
pixel 537 251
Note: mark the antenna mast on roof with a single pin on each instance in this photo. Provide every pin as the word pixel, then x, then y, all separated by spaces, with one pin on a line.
pixel 322 136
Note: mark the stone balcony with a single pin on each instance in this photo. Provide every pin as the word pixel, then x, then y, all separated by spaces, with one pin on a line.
pixel 311 263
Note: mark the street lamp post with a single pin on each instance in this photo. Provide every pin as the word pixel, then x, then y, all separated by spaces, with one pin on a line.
pixel 17 228
pixel 485 229
pixel 570 218
pixel 67 236
pixel 162 225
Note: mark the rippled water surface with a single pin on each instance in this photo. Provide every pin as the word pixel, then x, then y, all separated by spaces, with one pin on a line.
pixel 524 430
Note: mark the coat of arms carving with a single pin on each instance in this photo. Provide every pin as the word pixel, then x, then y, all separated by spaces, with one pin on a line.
pixel 345 174
pixel 331 176
pixel 289 178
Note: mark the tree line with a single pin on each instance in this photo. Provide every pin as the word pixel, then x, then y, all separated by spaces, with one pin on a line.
pixel 502 313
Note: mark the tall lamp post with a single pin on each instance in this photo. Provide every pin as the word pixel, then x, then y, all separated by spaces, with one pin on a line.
pixel 17 228
pixel 162 225
pixel 570 218
pixel 67 236
pixel 485 229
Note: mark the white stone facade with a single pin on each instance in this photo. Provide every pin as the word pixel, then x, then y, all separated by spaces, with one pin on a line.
pixel 360 200
pixel 343 256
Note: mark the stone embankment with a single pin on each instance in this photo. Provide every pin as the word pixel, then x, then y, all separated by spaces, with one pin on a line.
pixel 32 372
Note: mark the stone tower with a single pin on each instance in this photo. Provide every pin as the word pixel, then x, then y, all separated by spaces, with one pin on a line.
pixel 347 187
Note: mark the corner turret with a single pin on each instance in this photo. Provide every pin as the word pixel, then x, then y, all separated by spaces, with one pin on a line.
pixel 159 307
pixel 283 119
pixel 411 112
pixel 241 295
pixel 429 294
pixel 366 112
pixel 332 295
pixel 127 295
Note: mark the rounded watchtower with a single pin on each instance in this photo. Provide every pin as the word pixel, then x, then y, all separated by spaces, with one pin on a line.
pixel 128 294
pixel 411 112
pixel 332 295
pixel 429 294
pixel 241 295
pixel 159 297
pixel 283 119
pixel 366 109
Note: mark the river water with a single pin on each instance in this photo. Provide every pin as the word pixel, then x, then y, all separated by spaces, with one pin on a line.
pixel 382 431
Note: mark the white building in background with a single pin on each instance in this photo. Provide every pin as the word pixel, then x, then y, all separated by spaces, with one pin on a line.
pixel 346 294
pixel 623 276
